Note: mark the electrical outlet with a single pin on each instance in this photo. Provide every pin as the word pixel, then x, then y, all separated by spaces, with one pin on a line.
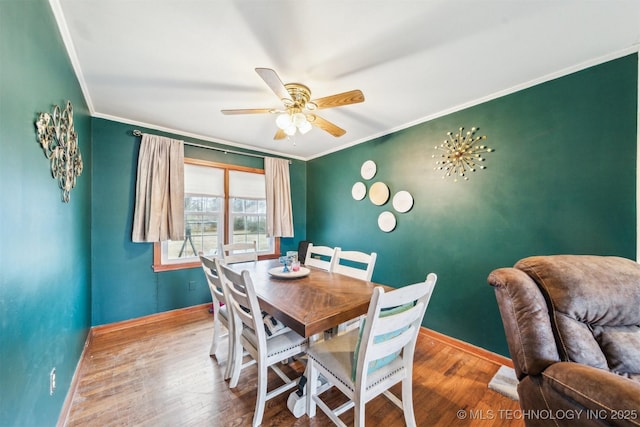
pixel 52 381
pixel 192 285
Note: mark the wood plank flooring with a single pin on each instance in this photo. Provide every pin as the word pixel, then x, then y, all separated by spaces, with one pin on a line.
pixel 159 373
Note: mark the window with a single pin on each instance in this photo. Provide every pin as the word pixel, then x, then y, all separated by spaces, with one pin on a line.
pixel 248 210
pixel 222 204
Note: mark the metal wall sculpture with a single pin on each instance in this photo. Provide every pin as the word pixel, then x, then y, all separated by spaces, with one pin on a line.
pixel 461 155
pixel 60 144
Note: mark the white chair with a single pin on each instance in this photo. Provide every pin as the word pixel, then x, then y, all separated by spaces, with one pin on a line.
pixel 359 264
pixel 220 310
pixel 365 363
pixel 319 256
pixel 239 252
pixel 249 332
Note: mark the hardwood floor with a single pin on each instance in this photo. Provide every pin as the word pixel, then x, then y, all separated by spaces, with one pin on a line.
pixel 159 373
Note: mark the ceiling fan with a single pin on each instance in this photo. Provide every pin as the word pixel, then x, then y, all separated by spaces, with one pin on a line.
pixel 299 109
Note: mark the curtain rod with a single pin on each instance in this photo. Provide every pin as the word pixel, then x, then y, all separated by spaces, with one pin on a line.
pixel 137 132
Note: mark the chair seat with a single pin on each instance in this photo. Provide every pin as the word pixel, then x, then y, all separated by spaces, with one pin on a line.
pixel 336 356
pixel 283 342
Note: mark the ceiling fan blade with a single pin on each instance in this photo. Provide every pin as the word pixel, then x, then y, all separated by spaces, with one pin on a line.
pixel 326 125
pixel 249 111
pixel 280 134
pixel 272 80
pixel 345 98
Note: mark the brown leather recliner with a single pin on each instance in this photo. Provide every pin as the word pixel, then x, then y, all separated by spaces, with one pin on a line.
pixel 573 328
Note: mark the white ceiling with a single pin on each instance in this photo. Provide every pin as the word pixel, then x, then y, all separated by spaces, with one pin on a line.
pixel 173 65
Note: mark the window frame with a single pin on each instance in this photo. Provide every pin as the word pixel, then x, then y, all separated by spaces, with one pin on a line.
pixel 158 266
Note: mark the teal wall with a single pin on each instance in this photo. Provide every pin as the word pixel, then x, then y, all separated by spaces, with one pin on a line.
pixel 45 244
pixel 124 285
pixel 562 179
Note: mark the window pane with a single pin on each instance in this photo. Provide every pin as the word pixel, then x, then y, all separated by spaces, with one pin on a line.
pixel 202 232
pixel 207 239
pixel 250 223
pixel 251 206
pixel 213 204
pixel 237 205
pixel 192 203
pixel 239 226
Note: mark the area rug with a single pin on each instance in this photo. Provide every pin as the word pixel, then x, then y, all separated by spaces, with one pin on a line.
pixel 505 382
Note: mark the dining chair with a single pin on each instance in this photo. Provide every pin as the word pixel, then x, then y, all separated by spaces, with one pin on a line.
pixel 249 333
pixel 302 250
pixel 239 252
pixel 367 362
pixel 354 264
pixel 319 256
pixel 220 310
pixel 357 264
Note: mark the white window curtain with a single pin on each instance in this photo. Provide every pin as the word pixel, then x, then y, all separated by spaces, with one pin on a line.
pixel 278 191
pixel 159 207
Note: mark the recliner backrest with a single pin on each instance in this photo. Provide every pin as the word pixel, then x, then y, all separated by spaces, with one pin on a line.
pixel 594 307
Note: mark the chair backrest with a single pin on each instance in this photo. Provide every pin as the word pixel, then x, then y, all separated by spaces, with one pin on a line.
pixel 319 256
pixel 302 250
pixel 358 264
pixel 239 252
pixel 241 295
pixel 213 279
pixel 391 327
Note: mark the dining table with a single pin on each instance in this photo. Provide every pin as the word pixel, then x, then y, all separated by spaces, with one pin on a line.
pixel 309 301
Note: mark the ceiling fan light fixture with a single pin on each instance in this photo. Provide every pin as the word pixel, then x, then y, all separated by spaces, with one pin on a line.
pixel 290 130
pixel 299 119
pixel 283 121
pixel 290 122
pixel 304 127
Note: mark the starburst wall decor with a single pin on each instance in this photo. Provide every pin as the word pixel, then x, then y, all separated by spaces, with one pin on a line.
pixel 461 154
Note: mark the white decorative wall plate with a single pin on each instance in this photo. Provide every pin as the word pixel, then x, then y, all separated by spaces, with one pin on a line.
pixel 358 191
pixel 379 193
pixel 368 169
pixel 386 221
pixel 402 201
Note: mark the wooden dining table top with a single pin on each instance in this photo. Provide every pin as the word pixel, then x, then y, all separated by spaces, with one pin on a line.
pixel 312 304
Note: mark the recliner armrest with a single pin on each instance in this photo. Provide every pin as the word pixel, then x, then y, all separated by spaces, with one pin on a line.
pixel 526 321
pixel 605 395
